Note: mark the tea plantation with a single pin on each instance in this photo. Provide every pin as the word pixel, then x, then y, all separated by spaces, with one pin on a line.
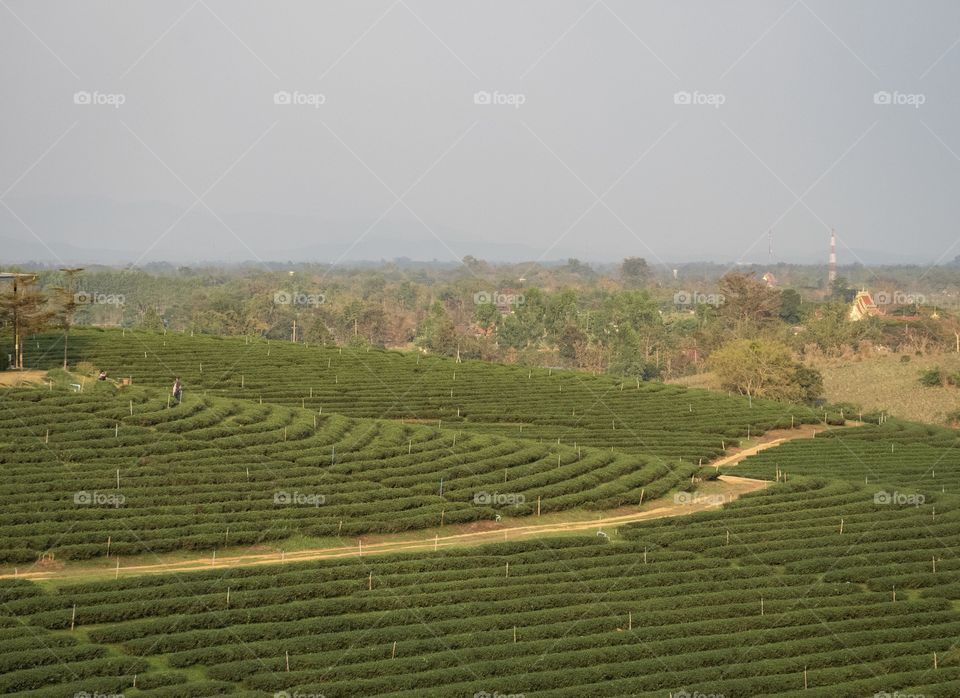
pixel 651 419
pixel 765 597
pixel 839 580
pixel 82 470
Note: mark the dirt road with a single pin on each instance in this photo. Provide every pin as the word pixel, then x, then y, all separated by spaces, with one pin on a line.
pixel 725 489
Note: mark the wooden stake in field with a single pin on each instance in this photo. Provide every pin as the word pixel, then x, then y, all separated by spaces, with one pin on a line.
pixel 73 617
pixel 508 570
pixel 117 574
pixel 288 660
pixel 228 597
pixel 630 620
pixel 538 505
pixel 804 678
pixel 514 634
pixel 642 490
pixel 370 582
pixel 393 652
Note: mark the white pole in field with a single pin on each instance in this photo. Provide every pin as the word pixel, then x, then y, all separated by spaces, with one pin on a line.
pixel 73 617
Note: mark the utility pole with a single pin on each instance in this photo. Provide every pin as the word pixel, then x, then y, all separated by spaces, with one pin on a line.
pixel 832 273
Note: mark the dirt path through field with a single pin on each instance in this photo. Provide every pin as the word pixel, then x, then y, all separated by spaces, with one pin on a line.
pixel 726 489
pixel 17 378
pixel 711 495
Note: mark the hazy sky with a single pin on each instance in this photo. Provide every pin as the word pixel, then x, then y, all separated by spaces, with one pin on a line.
pixel 182 152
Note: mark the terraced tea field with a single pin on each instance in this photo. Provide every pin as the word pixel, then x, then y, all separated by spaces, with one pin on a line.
pixel 761 598
pixel 650 419
pixel 84 469
pixel 839 580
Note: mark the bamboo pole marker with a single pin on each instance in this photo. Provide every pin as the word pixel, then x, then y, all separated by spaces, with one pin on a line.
pixel 73 617
pixel 728 536
pixel 508 569
pixel 370 582
pixel 117 574
pixel 47 439
pixel 630 620
pixel 514 634
pixel 642 490
pixel 116 430
pixel 228 597
pixel 761 605
pixel 288 660
pixel 841 526
pixel 934 564
pixel 436 541
pixel 118 478
pixel 934 660
pixel 339 528
pixel 538 505
pixel 804 678
pixel 393 652
pixel 213 560
pixel 644 556
pixel 131 408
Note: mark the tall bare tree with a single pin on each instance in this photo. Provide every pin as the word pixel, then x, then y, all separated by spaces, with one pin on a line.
pixel 25 307
pixel 67 306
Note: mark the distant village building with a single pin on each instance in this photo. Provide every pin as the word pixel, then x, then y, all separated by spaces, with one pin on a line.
pixel 863 306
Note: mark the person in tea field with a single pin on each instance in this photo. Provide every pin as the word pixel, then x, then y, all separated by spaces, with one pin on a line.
pixel 178 390
pixel 102 376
